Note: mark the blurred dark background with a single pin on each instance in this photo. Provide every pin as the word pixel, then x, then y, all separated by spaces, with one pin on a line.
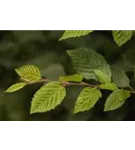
pixel 42 48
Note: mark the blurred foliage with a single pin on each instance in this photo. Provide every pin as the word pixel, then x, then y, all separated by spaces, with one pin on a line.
pixel 42 48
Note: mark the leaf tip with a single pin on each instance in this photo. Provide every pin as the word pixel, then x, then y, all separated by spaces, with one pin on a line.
pixel 69 52
pixel 60 39
pixel 75 111
pixel 32 111
pixel 6 91
pixel 105 110
pixel 16 70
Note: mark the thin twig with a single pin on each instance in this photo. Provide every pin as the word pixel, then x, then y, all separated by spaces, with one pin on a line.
pixel 131 88
pixel 79 84
pixel 72 84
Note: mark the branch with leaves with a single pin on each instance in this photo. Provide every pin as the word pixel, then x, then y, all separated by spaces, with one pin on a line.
pixel 89 65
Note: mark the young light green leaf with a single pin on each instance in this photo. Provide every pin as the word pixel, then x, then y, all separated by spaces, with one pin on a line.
pixel 108 86
pixel 85 61
pixel 116 99
pixel 102 77
pixel 29 73
pixel 47 97
pixel 87 99
pixel 74 33
pixel 119 77
pixel 122 36
pixel 15 87
pixel 74 78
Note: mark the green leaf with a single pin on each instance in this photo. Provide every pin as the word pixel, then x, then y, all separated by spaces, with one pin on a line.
pixel 85 61
pixel 15 87
pixel 87 99
pixel 29 73
pixel 119 77
pixel 108 86
pixel 122 36
pixel 74 33
pixel 102 77
pixel 116 99
pixel 74 78
pixel 47 97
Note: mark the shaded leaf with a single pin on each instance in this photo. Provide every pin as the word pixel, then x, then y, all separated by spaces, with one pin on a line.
pixel 102 77
pixel 47 97
pixel 119 77
pixel 116 99
pixel 85 61
pixel 87 99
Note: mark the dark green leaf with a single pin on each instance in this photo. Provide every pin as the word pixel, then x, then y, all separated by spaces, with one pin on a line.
pixel 102 77
pixel 85 61
pixel 119 77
